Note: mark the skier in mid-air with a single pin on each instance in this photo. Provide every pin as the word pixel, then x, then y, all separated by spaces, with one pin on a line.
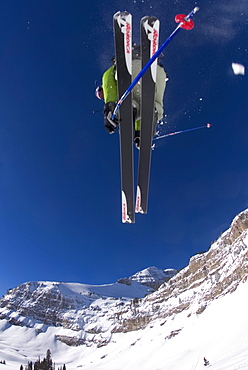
pixel 108 93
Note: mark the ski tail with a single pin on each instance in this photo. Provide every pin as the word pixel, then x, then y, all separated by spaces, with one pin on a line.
pixel 149 46
pixel 123 54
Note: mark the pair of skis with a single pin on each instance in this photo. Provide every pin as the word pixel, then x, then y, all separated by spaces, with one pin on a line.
pixel 149 29
pixel 123 51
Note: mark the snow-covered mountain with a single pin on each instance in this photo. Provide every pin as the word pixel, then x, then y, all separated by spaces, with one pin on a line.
pixel 74 306
pixel 198 312
pixel 67 305
pixel 153 276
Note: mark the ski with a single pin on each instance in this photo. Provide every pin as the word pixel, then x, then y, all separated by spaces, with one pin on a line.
pixel 123 57
pixel 184 21
pixel 149 29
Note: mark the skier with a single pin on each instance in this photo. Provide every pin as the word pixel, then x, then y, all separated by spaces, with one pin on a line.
pixel 108 93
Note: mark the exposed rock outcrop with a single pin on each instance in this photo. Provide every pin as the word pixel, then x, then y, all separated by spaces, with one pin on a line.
pixel 208 276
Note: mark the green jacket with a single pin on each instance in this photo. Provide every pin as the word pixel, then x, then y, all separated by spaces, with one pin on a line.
pixel 111 93
pixel 109 85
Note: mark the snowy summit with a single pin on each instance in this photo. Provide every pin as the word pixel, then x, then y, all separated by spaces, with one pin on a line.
pixel 153 276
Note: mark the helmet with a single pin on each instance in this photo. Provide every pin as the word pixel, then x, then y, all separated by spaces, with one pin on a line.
pixel 99 92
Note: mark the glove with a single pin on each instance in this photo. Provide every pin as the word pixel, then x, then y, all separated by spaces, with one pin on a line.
pixel 109 124
pixel 137 139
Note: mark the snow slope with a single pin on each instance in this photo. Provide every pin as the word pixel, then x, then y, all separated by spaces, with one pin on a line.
pixel 219 334
pixel 114 290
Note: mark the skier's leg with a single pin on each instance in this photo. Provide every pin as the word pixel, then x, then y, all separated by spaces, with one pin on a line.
pixel 155 122
pixel 136 128
pixel 160 89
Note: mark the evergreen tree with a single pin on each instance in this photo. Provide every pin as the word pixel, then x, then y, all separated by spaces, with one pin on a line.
pixel 206 362
pixel 45 364
pixel 37 365
pixel 49 361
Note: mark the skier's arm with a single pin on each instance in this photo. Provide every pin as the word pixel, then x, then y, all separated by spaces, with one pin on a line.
pixel 110 96
pixel 109 85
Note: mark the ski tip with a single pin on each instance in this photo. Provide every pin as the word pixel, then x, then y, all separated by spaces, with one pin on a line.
pixel 138 208
pixel 196 9
pixel 126 219
pixel 138 200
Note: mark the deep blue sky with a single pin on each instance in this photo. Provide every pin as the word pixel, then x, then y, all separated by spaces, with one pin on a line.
pixel 60 211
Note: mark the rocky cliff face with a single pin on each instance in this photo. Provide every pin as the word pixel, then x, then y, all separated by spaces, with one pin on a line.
pixel 208 276
pixel 93 315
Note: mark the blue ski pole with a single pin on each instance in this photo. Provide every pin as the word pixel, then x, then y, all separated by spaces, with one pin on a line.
pixel 184 22
pixel 208 125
